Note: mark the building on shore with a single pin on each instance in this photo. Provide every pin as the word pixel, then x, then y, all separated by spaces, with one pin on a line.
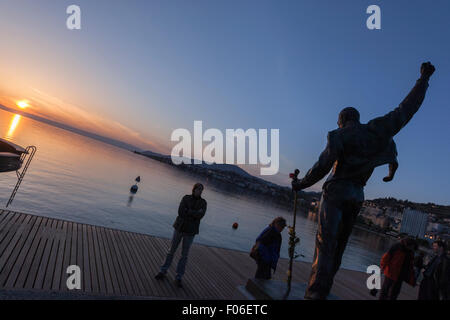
pixel 437 231
pixel 375 216
pixel 414 223
pixel 436 227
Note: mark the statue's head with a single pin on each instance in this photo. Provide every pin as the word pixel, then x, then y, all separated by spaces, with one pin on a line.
pixel 348 114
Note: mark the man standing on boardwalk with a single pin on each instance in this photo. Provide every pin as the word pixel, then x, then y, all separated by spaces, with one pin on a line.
pixel 435 284
pixel 191 210
pixel 398 266
pixel 353 151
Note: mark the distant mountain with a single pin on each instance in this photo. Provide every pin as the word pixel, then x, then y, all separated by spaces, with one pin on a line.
pixel 63 126
pixel 227 167
pixel 231 168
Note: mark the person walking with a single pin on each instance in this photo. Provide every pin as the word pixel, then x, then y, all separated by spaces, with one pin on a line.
pixel 397 265
pixel 436 276
pixel 267 248
pixel 191 210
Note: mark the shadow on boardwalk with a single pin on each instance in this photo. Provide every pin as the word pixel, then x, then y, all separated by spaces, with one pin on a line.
pixel 35 252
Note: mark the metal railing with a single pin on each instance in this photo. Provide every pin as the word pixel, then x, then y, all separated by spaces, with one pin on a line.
pixel 28 156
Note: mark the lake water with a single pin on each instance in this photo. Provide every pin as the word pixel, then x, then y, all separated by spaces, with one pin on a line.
pixel 79 179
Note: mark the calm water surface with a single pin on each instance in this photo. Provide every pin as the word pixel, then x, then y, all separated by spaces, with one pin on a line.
pixel 76 178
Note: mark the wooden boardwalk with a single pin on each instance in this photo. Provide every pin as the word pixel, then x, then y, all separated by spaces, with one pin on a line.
pixel 36 251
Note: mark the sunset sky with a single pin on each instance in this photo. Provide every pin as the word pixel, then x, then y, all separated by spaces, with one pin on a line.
pixel 137 70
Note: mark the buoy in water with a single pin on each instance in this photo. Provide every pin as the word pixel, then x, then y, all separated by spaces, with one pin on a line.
pixel 138 179
pixel 235 225
pixel 134 188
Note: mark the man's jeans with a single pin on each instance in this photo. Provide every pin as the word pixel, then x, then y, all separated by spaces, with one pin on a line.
pixel 187 242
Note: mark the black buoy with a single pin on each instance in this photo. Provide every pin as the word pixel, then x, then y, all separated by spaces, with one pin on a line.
pixel 235 225
pixel 138 179
pixel 134 188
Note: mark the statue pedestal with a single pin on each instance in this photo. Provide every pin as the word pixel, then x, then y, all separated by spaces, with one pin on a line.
pixel 259 289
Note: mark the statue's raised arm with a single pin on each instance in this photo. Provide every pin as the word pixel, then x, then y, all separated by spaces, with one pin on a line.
pixel 390 124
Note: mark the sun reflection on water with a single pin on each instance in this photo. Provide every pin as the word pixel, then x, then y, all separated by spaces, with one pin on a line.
pixel 12 127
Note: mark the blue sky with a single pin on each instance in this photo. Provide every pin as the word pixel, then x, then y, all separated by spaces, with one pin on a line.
pixel 150 67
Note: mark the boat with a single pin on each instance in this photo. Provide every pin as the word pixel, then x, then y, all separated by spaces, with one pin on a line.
pixel 12 158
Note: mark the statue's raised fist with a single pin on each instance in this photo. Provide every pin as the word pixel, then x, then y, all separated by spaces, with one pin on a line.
pixel 427 69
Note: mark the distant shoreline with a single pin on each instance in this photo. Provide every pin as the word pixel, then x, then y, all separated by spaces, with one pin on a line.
pixel 362 227
pixel 223 176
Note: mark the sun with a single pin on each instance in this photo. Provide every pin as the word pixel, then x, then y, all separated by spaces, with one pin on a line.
pixel 22 104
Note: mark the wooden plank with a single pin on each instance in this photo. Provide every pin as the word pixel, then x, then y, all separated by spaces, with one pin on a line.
pixel 45 259
pixel 158 259
pixel 129 265
pixel 122 270
pixel 3 215
pixel 19 272
pixel 70 256
pixel 116 273
pixel 220 287
pixel 13 238
pixel 153 264
pixel 61 251
pixel 12 252
pixel 100 262
pixel 192 284
pixel 10 241
pixel 79 257
pixel 147 264
pixel 146 276
pixel 191 271
pixel 51 266
pixel 9 216
pixel 111 281
pixel 235 272
pixel 198 285
pixel 37 250
pixel 133 260
pixel 204 256
pixel 86 269
pixel 6 216
pixel 8 231
pixel 92 260
pixel 74 244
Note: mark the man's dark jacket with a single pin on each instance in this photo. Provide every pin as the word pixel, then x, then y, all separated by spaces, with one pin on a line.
pixel 436 282
pixel 190 212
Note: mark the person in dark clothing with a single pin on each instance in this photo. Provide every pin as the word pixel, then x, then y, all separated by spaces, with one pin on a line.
pixel 418 264
pixel 436 276
pixel 268 247
pixel 397 265
pixel 191 210
pixel 352 153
